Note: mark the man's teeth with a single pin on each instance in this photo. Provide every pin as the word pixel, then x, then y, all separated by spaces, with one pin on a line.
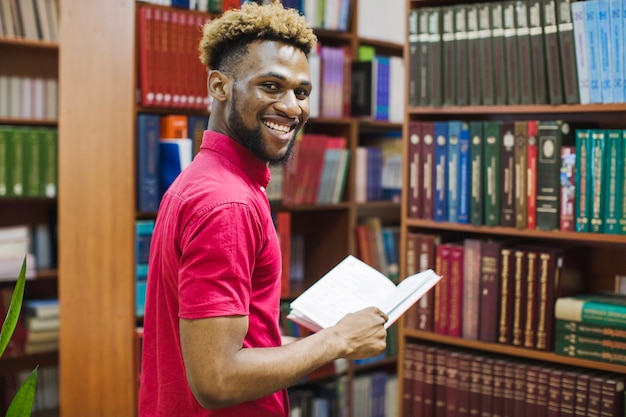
pixel 275 126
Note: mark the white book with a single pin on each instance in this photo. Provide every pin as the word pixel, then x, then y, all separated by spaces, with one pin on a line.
pixel 580 45
pixel 41 11
pixel 29 21
pixel 15 102
pixel 353 285
pixel 5 95
pixel 6 14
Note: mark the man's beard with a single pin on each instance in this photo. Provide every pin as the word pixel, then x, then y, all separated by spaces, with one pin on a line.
pixel 252 139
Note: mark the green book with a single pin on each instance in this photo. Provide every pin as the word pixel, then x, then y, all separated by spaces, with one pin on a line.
pixel 491 172
pixel 590 330
pixel 590 352
pixel 600 344
pixel 32 162
pixel 621 189
pixel 49 162
pixel 4 169
pixel 583 164
pixel 612 166
pixel 476 173
pixel 596 177
pixel 16 161
pixel 602 309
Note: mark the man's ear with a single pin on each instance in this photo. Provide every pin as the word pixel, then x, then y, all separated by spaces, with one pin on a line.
pixel 219 85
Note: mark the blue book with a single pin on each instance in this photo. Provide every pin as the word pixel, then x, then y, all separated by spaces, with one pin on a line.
pixel 593 50
pixel 463 214
pixel 604 40
pixel 140 297
pixel 196 125
pixel 148 133
pixel 616 43
pixel 440 168
pixel 374 173
pixel 174 156
pixel 580 45
pixel 383 67
pixel 454 131
pixel 143 236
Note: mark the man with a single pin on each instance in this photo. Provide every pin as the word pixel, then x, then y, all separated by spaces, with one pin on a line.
pixel 212 345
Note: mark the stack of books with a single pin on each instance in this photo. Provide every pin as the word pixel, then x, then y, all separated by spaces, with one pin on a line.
pixel 592 326
pixel 41 320
pixel 14 245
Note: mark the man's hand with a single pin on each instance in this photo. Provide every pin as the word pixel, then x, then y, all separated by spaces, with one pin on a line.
pixel 363 333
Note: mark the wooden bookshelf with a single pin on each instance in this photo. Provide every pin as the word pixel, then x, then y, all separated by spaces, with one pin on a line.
pixel 606 253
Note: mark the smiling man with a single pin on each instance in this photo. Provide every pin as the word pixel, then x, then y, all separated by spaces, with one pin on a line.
pixel 212 345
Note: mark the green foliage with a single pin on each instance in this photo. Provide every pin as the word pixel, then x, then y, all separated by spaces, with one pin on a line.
pixel 22 403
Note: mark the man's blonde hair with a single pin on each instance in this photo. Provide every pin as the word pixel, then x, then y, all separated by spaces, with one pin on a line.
pixel 224 39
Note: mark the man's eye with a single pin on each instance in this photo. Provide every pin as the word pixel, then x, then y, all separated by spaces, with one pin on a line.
pixel 302 93
pixel 270 86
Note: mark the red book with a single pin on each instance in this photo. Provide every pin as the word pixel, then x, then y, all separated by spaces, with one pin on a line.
pixel 531 185
pixel 428 162
pixel 178 53
pixel 165 59
pixel 199 88
pixel 364 251
pixel 532 375
pixel 442 290
pixel 520 369
pixel 554 392
pixel 230 4
pixel 455 290
pixel 283 230
pixel 313 161
pixel 415 170
pixel 147 38
pixel 612 395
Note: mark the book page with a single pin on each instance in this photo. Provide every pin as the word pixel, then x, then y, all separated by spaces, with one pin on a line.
pixel 350 286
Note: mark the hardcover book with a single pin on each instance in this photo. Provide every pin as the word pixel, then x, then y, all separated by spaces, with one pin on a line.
pixel 487 67
pixel 507 174
pixel 413 56
pixel 521 174
pixel 428 173
pixel 582 172
pixel 450 67
pixel 580 47
pixel 435 57
pixel 535 25
pixel 548 182
pixel 568 188
pixel 461 54
pixel 551 39
pixel 499 54
pixel 513 66
pixel 148 134
pixel 613 165
pixel 416 161
pixel 490 291
pixel 440 172
pixel 524 50
pixel 353 285
pixel 474 56
pixel 568 51
pixel 491 172
pixel 476 175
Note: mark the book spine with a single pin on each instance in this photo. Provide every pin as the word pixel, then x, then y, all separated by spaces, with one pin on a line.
pixel 148 135
pixel 435 63
pixel 618 57
pixel 413 57
pixel 476 173
pixel 512 57
pixel 520 297
pixel 580 46
pixel 548 181
pixel 464 182
pixel 593 50
pixel 452 171
pixel 499 54
pixel 570 327
pixel 551 38
pixel 612 402
pixel 455 293
pixel 440 188
pixel 531 178
pixel 489 291
pixel 474 54
pixel 520 177
pixel 507 175
pixel 532 296
pixel 596 179
pixel 415 170
pixel 471 288
pixel 487 69
pixel 535 23
pixel 4 152
pixel 524 52
pixel 428 197
pixel 491 173
pixel 423 59
pixel 448 60
pixel 583 147
pixel 612 167
pixel 461 55
pixel 568 188
pixel 568 52
pixel 590 312
pixel 507 295
pixel 622 187
pixel 604 36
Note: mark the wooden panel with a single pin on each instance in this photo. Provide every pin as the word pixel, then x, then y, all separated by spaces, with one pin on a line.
pixel 96 208
pixel 30 61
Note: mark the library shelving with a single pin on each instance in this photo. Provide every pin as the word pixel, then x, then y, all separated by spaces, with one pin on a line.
pixel 603 254
pixel 25 60
pixel 97 206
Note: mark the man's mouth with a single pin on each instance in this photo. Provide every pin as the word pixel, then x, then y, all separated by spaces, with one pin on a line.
pixel 278 127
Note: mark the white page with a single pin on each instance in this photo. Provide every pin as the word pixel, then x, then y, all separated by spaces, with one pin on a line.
pixel 350 286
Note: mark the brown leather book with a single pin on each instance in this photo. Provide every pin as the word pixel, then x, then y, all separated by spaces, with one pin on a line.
pixel 428 164
pixel 489 291
pixel 416 138
pixel 507 174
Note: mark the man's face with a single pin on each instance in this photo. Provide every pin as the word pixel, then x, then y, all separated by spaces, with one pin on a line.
pixel 270 99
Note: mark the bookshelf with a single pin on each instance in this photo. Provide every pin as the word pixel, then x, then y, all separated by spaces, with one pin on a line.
pixel 97 209
pixel 604 253
pixel 23 61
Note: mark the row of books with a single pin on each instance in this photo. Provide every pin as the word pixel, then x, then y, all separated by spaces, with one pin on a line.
pixel 497 291
pixel 592 326
pixel 32 19
pixel 41 321
pixel 144 228
pixel 324 14
pixel 28 161
pixel 208 6
pixel 28 97
pixel 166 144
pixel 441 380
pixel 170 73
pixel 378 167
pixel 35 242
pixel 506 52
pixel 546 175
pixel 378 245
pixel 46 398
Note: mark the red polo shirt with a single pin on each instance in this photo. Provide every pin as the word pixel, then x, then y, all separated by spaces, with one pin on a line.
pixel 214 252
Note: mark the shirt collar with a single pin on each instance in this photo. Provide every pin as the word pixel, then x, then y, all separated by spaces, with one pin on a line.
pixel 235 152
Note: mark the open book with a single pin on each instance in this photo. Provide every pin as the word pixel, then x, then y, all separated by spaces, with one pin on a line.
pixel 353 285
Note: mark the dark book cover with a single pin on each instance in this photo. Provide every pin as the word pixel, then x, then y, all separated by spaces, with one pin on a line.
pixel 508 391
pixel 507 174
pixel 148 194
pixel 513 67
pixel 543 377
pixel 435 57
pixel 613 395
pixel 486 389
pixel 491 172
pixel 590 330
pixel 567 48
pixel 507 295
pixel 416 138
pixel 594 394
pixel 532 379
pixel 597 180
pixel 581 393
pixel 429 381
pixel 554 392
pixel 612 180
pixel 553 53
pixel 475 385
pixel 464 377
pixel 362 82
pixel 428 173
pixel 519 394
pixel 426 254
pixel 549 141
pixel 489 290
pixel 474 55
pixel 419 369
pixel 521 173
pixel 535 23
pixel 423 74
pixel 442 290
pixel 452 384
pixel 408 379
pixel 532 285
pixel 497 404
pixel 440 172
pixel 456 309
pixel 440 399
pixel 499 54
pixel 411 265
pixel 461 54
pixel 448 45
pixel 568 392
pixel 476 173
pixel 487 68
pixel 524 50
pixel 413 57
pixel 520 285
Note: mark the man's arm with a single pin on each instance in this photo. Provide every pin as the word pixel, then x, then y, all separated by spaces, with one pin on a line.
pixel 221 373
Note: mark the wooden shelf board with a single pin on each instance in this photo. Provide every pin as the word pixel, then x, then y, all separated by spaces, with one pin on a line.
pixel 29 43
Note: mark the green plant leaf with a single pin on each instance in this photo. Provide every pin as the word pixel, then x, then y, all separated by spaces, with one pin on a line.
pixel 13 315
pixel 22 404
